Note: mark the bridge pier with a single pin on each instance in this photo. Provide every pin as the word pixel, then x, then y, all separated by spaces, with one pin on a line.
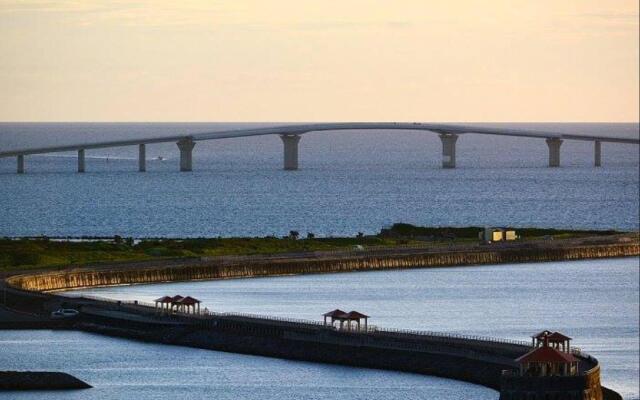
pixel 186 154
pixel 81 160
pixel 554 151
pixel 20 160
pixel 290 151
pixel 448 149
pixel 142 157
pixel 597 154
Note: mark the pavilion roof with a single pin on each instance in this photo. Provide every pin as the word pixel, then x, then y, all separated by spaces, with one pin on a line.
pixel 541 335
pixel 355 315
pixel 176 298
pixel 189 301
pixel 337 313
pixel 557 337
pixel 164 299
pixel 546 355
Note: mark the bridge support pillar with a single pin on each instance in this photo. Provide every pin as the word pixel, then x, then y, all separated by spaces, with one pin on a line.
pixel 554 151
pixel 142 157
pixel 81 160
pixel 186 151
pixel 597 154
pixel 20 160
pixel 448 149
pixel 290 151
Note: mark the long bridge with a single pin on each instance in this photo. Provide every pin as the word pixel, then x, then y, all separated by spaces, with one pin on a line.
pixel 291 134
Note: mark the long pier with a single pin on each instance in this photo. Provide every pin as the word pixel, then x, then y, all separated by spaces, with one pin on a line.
pixel 485 361
pixel 291 135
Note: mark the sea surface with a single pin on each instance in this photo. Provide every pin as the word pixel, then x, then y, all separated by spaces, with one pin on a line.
pixel 349 182
pixel 595 302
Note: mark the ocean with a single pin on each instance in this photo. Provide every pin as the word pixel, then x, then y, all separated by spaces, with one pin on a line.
pixel 348 182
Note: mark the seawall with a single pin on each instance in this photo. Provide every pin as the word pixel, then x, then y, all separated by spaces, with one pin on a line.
pixel 228 268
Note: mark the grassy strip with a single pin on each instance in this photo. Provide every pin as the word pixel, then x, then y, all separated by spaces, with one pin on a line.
pixel 42 252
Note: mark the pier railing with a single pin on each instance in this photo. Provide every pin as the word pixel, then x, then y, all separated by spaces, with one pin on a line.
pixel 150 309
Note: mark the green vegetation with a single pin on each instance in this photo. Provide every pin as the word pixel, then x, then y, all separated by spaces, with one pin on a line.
pixel 36 253
pixel 19 254
pixel 471 232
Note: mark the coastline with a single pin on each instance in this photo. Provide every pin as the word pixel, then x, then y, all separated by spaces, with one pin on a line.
pixel 232 267
pixel 35 292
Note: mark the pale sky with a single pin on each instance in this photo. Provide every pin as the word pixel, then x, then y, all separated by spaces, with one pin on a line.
pixel 325 60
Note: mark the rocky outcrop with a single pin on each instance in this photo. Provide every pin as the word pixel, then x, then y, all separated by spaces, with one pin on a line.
pixel 30 380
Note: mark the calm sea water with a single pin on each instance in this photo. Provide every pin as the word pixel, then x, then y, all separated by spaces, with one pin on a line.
pixel 596 302
pixel 348 182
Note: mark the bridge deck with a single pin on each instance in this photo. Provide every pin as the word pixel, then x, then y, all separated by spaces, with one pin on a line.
pixel 297 129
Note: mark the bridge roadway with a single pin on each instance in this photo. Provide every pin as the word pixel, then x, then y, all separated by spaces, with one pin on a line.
pixel 291 134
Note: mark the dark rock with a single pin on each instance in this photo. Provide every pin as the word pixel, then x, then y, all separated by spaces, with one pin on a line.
pixel 30 380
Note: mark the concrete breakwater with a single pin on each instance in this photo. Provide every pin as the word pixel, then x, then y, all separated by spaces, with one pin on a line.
pixel 225 268
pixel 477 360
pixel 472 359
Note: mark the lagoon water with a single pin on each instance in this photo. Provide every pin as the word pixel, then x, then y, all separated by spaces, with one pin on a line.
pixel 348 182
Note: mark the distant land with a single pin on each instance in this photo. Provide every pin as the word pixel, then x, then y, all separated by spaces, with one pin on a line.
pixel 27 253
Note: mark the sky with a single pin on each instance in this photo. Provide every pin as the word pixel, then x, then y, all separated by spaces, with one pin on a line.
pixel 325 60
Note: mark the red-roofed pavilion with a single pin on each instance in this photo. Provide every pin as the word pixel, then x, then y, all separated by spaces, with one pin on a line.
pixel 334 315
pixel 342 317
pixel 547 361
pixel 551 356
pixel 190 304
pixel 559 341
pixel 538 339
pixel 163 303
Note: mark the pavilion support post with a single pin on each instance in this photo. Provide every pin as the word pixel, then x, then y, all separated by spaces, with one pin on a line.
pixel 554 151
pixel 186 154
pixel 20 166
pixel 597 153
pixel 290 151
pixel 448 149
pixel 142 157
pixel 81 160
